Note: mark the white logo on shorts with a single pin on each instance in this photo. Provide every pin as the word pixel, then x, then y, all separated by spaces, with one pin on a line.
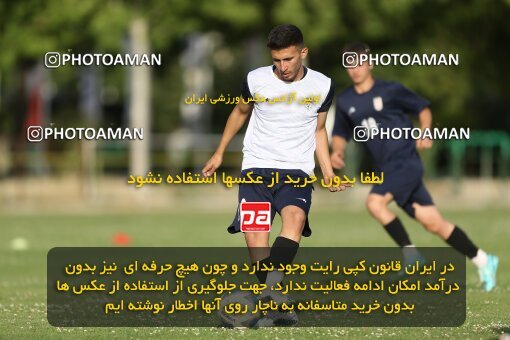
pixel 302 199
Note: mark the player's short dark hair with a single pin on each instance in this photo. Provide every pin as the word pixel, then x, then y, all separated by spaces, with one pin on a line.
pixel 356 47
pixel 284 36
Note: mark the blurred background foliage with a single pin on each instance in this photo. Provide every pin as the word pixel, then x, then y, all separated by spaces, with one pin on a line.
pixel 473 94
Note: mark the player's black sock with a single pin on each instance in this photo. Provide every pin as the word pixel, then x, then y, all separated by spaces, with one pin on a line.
pixel 398 233
pixel 262 274
pixel 283 251
pixel 461 242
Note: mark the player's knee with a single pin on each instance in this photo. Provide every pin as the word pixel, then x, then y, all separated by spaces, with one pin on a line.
pixel 298 218
pixel 375 207
pixel 294 217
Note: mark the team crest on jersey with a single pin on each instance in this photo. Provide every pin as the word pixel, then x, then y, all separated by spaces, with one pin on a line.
pixel 351 111
pixel 378 103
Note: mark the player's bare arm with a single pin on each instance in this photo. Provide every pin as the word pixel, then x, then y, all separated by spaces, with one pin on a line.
pixel 425 117
pixel 337 155
pixel 322 151
pixel 235 122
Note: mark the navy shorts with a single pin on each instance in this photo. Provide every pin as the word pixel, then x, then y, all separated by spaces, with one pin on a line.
pixel 404 180
pixel 279 195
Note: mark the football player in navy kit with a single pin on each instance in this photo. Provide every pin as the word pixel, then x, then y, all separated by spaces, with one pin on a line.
pixel 375 104
pixel 281 137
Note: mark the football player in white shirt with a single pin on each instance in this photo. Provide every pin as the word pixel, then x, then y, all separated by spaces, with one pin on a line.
pixel 281 137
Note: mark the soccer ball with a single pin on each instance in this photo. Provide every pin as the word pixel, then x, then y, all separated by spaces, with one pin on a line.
pixel 242 302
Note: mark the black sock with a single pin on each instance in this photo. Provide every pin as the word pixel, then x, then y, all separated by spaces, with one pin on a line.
pixel 283 251
pixel 461 242
pixel 397 232
pixel 262 274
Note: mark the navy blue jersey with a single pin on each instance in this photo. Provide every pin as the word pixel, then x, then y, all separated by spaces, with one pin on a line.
pixel 387 106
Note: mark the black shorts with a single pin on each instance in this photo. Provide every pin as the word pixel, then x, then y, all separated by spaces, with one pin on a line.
pixel 280 195
pixel 404 180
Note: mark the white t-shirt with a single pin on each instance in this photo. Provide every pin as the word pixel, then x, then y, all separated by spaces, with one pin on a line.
pixel 281 131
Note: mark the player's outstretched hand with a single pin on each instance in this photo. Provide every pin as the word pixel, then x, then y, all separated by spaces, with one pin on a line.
pixel 337 160
pixel 333 188
pixel 212 164
pixel 424 143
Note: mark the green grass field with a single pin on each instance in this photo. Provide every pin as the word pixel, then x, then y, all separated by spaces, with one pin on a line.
pixel 23 273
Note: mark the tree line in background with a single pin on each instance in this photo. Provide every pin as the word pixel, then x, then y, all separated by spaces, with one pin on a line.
pixel 473 94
